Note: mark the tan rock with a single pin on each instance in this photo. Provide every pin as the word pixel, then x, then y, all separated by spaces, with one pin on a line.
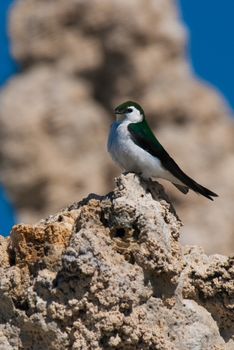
pixel 119 279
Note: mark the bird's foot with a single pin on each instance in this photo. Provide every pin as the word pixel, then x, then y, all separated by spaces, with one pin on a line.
pixel 132 172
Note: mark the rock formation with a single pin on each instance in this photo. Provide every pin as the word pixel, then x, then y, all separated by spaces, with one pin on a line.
pixel 109 273
pixel 79 59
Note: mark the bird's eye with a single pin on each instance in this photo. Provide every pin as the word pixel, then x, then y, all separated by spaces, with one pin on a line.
pixel 129 110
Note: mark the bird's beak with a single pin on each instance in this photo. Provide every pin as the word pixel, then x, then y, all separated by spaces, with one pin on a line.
pixel 119 115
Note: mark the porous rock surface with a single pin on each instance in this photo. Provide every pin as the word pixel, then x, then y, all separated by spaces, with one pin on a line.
pixel 79 58
pixel 109 273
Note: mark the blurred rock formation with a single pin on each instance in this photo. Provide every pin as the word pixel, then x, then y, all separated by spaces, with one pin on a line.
pixel 79 59
pixel 109 273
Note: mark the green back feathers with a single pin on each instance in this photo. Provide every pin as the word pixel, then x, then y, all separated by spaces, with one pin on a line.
pixel 142 134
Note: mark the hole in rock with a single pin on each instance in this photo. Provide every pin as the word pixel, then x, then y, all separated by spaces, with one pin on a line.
pixel 120 232
pixel 136 232
pixel 12 257
pixel 60 218
pixel 162 286
pixel 21 304
pixel 127 312
pixel 131 259
pixel 104 220
pixel 104 341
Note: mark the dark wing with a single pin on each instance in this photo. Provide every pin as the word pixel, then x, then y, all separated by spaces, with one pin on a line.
pixel 142 136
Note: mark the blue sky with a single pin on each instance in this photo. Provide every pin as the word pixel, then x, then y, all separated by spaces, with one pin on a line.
pixel 7 68
pixel 7 64
pixel 211 52
pixel 211 44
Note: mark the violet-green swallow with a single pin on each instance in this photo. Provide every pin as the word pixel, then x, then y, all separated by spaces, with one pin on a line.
pixel 134 147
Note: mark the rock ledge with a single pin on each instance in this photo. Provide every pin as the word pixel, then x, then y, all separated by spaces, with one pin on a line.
pixel 110 273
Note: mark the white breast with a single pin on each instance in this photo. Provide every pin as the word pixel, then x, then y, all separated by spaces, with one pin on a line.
pixel 130 156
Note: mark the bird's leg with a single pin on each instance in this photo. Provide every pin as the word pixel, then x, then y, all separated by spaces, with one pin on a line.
pixel 136 174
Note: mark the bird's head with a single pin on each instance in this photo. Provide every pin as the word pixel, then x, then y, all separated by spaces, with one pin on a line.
pixel 130 111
